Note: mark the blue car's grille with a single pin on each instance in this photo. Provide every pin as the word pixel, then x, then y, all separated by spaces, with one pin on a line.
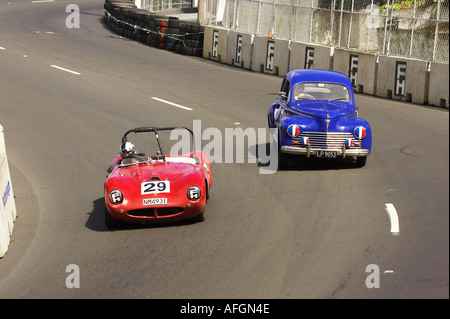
pixel 330 140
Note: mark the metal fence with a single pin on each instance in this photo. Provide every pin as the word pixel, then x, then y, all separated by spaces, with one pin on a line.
pixel 411 28
pixel 160 5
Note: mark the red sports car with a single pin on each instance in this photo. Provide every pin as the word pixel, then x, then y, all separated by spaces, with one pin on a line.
pixel 159 187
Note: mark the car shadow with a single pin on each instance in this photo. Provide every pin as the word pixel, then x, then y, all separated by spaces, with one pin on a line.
pixel 96 220
pixel 299 162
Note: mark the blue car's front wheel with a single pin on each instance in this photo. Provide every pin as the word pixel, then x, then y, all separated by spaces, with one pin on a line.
pixel 361 161
pixel 283 158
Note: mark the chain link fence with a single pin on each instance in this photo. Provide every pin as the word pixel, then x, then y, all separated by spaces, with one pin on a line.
pixel 411 28
pixel 160 5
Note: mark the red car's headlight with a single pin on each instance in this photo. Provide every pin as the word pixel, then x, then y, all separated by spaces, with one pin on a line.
pixel 194 193
pixel 115 197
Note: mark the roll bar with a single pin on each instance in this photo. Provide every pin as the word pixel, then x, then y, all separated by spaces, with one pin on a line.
pixel 145 129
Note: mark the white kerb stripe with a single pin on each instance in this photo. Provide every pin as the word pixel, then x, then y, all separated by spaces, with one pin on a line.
pixel 173 104
pixel 393 216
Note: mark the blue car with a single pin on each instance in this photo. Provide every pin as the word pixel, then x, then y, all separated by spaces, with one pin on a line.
pixel 316 116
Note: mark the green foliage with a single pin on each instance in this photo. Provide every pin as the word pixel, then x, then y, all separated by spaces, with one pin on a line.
pixel 404 4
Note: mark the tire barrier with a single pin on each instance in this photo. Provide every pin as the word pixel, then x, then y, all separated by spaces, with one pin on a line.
pixel 163 32
pixel 7 206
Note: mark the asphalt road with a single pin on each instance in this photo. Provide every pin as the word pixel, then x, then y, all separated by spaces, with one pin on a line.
pixel 307 232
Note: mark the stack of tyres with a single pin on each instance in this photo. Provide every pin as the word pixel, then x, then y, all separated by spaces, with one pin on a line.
pixel 192 43
pixel 145 24
pixel 169 33
pixel 174 35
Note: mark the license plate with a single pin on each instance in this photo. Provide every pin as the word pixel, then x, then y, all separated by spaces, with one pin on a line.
pixel 326 154
pixel 154 201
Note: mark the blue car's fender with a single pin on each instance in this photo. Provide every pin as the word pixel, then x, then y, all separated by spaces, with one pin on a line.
pixel 270 115
pixel 349 124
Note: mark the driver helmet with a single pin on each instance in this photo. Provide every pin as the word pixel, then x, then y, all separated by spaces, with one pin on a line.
pixel 127 149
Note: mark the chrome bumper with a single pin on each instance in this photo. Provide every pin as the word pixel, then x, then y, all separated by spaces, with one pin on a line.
pixel 308 151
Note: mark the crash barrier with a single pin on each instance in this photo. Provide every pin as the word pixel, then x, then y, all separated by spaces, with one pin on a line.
pixel 360 67
pixel 310 56
pixel 216 49
pixel 438 93
pixel 402 79
pixel 7 206
pixel 265 60
pixel 164 32
pixel 397 78
pixel 239 54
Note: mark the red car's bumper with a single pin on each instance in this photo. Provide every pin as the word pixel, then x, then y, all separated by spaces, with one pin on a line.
pixel 176 209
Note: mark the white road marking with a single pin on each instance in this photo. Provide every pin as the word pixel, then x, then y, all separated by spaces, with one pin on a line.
pixel 173 104
pixel 2 48
pixel 63 69
pixel 38 1
pixel 393 216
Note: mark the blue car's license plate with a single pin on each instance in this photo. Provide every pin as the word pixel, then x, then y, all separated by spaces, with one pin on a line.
pixel 326 154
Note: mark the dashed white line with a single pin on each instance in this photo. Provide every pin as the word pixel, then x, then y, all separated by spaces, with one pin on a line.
pixel 173 104
pixel 2 48
pixel 63 69
pixel 393 216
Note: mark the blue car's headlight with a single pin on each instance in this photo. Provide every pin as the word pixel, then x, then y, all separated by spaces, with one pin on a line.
pixel 360 132
pixel 293 130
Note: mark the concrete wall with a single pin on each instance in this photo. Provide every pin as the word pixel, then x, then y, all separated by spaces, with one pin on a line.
pixel 402 79
pixel 438 93
pixel 309 56
pixel 7 204
pixel 270 56
pixel 398 78
pixel 240 49
pixel 215 44
pixel 360 67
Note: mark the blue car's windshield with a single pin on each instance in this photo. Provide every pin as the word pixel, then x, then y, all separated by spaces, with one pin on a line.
pixel 321 91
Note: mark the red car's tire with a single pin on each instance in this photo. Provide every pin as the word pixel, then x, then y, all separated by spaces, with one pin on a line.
pixel 110 221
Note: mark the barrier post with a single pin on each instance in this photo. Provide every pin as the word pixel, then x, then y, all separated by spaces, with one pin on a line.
pixel 439 82
pixel 402 79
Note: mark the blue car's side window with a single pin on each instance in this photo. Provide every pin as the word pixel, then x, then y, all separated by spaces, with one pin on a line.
pixel 285 87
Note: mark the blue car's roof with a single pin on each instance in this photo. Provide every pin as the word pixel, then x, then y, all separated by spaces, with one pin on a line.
pixel 308 75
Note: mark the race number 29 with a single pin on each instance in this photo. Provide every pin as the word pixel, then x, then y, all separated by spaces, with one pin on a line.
pixel 155 187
